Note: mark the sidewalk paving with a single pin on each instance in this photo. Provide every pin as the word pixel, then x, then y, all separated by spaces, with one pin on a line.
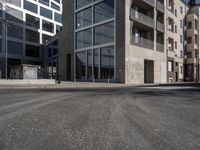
pixel 91 85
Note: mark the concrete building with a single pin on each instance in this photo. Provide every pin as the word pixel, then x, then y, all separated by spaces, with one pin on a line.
pixel 176 42
pixel 30 24
pixel 114 41
pixel 193 47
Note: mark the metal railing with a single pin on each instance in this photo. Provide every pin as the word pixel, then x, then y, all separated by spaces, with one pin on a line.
pixel 142 18
pixel 143 42
pixel 160 6
pixel 150 2
pixel 160 27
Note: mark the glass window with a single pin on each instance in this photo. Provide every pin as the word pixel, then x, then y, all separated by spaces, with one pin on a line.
pixel 54 6
pixel 32 36
pixel 104 10
pixel 32 21
pixel 81 3
pixel 45 38
pixel 58 28
pixel 104 33
pixel 32 51
pixel 0 45
pixel 58 17
pixel 47 26
pixel 14 15
pixel 58 1
pixel 84 18
pixel 15 48
pixel 45 2
pixel 89 64
pixel 15 31
pixel 96 63
pixel 55 47
pixel 107 63
pixel 15 2
pixel 81 65
pixel 45 12
pixel 84 39
pixel 30 7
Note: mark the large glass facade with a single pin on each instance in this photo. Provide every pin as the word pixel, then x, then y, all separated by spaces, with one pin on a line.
pixel 81 65
pixel 104 33
pixel 81 3
pixel 104 10
pixel 84 18
pixel 84 39
pixel 95 24
pixel 107 63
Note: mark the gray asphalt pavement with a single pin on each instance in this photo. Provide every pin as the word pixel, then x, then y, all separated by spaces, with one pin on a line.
pixel 103 119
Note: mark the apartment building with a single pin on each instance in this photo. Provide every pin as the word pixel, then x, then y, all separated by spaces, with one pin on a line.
pixel 176 18
pixel 193 47
pixel 29 24
pixel 114 41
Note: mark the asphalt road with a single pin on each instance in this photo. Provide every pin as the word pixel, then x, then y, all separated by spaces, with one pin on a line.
pixel 107 119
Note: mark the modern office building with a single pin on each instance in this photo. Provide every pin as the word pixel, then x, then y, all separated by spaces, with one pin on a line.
pixel 29 24
pixel 114 40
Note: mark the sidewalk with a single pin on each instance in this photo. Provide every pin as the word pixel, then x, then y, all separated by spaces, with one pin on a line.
pixel 90 85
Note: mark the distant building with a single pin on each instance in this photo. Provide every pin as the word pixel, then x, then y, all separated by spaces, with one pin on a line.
pixel 30 24
pixel 130 41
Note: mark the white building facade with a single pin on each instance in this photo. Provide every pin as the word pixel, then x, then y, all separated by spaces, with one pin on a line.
pixel 29 24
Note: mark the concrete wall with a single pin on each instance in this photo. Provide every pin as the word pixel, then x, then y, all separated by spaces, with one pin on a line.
pixel 120 41
pixel 67 40
pixel 135 56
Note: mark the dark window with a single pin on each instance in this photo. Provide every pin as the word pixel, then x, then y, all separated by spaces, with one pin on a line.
pixel 81 65
pixel 81 3
pixel 30 6
pixel 104 10
pixel 96 63
pixel 32 21
pixel 58 17
pixel 107 63
pixel 84 39
pixel 84 18
pixel 58 28
pixel 89 64
pixel 45 38
pixel 54 6
pixel 32 36
pixel 104 33
pixel 32 51
pixel 15 48
pixel 15 31
pixel 47 26
pixel 45 12
pixel 45 2
pixel 0 45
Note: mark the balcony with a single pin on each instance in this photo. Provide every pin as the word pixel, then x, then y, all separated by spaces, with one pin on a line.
pixel 160 7
pixel 139 41
pixel 160 27
pixel 141 18
pixel 160 47
pixel 150 2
